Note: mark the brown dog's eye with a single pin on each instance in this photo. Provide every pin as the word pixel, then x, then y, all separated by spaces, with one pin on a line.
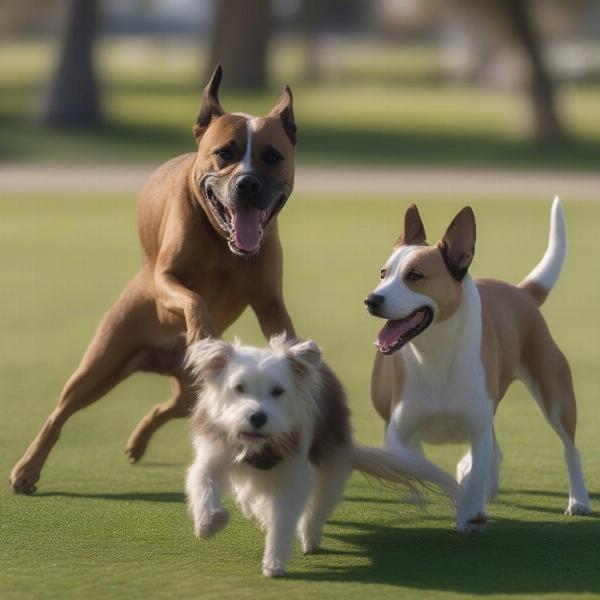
pixel 224 154
pixel 272 157
pixel 413 276
pixel 382 273
pixel 277 391
pixel 239 388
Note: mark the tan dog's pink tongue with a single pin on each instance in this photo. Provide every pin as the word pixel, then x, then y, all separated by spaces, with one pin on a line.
pixel 393 330
pixel 247 229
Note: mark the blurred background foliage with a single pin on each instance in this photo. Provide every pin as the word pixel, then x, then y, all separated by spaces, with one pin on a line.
pixel 502 82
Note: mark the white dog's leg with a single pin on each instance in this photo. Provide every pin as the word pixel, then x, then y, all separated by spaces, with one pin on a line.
pixel 286 502
pixel 205 482
pixel 328 483
pixel 471 509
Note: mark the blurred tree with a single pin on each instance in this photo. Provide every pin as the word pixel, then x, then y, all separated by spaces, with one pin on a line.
pixel 548 126
pixel 73 96
pixel 240 42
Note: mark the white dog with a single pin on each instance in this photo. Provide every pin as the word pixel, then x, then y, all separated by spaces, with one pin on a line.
pixel 452 345
pixel 263 417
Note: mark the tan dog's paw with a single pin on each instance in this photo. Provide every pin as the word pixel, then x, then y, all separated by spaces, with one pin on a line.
pixel 475 524
pixel 577 509
pixel 22 479
pixel 135 449
pixel 212 523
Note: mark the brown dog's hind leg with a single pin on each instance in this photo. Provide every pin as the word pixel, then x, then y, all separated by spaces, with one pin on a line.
pixel 179 405
pixel 110 358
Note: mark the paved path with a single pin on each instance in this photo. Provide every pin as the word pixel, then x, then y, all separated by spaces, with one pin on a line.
pixel 401 182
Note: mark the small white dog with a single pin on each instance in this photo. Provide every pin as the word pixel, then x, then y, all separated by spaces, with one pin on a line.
pixel 272 426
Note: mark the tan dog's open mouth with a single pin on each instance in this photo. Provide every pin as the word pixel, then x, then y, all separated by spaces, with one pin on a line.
pixel 397 332
pixel 244 225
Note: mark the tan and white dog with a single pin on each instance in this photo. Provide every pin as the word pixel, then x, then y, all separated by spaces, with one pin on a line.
pixel 452 346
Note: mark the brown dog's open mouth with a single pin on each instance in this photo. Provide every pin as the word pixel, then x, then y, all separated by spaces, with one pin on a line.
pixel 398 332
pixel 244 225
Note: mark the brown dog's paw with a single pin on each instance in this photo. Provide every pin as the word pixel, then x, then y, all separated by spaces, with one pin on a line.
pixel 134 451
pixel 22 480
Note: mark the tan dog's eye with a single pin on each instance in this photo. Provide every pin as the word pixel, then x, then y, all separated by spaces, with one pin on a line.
pixel 382 273
pixel 413 275
pixel 224 154
pixel 277 391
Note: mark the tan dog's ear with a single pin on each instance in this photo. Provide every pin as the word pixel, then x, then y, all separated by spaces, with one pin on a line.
pixel 284 110
pixel 414 231
pixel 458 244
pixel 210 104
pixel 207 357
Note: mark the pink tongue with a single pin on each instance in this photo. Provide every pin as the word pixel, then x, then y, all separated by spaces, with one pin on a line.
pixel 393 330
pixel 247 230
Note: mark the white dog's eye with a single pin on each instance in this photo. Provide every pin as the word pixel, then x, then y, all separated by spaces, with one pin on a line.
pixel 382 273
pixel 277 391
pixel 239 388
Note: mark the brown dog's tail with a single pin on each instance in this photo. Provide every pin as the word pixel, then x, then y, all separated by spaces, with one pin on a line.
pixel 545 275
pixel 404 467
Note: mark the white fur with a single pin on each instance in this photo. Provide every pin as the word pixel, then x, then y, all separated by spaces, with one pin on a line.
pixel 293 495
pixel 548 269
pixel 251 123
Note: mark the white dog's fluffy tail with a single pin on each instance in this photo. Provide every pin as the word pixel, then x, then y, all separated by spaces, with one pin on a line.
pixel 545 275
pixel 402 466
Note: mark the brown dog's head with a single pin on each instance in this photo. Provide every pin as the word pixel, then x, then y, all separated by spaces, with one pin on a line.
pixel 245 167
pixel 420 284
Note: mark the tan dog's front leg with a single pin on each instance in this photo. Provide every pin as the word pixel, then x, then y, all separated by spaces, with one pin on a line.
pixel 274 319
pixel 182 301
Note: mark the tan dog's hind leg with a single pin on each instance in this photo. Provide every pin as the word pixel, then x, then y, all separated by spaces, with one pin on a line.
pixel 109 359
pixel 179 405
pixel 547 375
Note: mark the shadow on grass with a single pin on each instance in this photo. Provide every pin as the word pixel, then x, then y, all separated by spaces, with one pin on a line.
pixel 124 497
pixel 510 558
pixel 326 144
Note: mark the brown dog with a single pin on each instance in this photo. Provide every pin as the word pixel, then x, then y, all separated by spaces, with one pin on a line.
pixel 207 224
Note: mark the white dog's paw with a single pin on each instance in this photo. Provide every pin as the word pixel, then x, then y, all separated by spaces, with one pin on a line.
pixel 577 508
pixel 273 571
pixel 212 522
pixel 310 545
pixel 474 524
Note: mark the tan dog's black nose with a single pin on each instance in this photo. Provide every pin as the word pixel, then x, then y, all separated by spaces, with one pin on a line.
pixel 373 302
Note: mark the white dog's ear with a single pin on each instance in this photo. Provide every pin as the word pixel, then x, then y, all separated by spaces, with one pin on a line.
pixel 304 357
pixel 207 357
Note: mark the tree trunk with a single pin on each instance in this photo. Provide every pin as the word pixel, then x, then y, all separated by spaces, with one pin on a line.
pixel 240 43
pixel 72 99
pixel 548 126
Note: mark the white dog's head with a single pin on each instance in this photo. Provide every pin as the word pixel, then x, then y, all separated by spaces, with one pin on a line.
pixel 256 398
pixel 421 284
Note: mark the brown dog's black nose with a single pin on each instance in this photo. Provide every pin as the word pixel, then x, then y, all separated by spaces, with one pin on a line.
pixel 248 187
pixel 373 302
pixel 257 419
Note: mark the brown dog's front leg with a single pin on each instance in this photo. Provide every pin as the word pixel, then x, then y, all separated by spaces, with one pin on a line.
pixel 274 319
pixel 182 301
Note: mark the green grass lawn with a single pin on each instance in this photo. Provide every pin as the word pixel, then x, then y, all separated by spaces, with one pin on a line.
pixel 380 104
pixel 100 528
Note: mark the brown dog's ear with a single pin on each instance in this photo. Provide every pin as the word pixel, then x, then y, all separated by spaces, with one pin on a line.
pixel 207 357
pixel 414 232
pixel 284 110
pixel 210 104
pixel 458 244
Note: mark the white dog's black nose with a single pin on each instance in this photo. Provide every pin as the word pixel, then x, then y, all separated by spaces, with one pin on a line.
pixel 373 302
pixel 257 419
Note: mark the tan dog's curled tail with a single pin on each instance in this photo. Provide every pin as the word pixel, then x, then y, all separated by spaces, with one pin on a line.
pixel 545 275
pixel 404 467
